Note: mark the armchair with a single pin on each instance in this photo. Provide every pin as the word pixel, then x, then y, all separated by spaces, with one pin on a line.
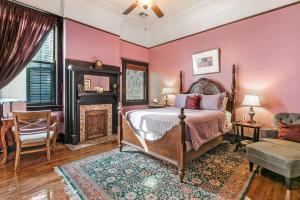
pixel 32 129
pixel 288 118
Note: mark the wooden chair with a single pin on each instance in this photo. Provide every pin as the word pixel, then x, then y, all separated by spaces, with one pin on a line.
pixel 32 129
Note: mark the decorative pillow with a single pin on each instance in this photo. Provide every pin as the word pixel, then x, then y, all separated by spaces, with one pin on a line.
pixel 288 132
pixel 192 102
pixel 212 102
pixel 180 100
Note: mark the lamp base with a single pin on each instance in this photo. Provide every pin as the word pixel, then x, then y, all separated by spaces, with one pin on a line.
pixel 166 101
pixel 251 115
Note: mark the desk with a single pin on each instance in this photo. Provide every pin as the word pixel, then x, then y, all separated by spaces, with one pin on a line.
pixel 8 123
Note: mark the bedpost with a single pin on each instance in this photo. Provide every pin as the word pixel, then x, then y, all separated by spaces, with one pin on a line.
pixel 120 131
pixel 181 146
pixel 180 86
pixel 233 92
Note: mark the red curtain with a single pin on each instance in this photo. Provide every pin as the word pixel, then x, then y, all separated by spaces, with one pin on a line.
pixel 22 33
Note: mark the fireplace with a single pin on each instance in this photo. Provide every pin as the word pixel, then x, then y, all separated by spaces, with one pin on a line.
pixel 95 121
pixel 90 115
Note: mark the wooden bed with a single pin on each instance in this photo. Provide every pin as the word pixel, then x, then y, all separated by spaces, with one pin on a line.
pixel 172 146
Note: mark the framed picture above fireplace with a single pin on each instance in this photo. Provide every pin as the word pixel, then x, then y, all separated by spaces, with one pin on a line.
pixel 206 62
pixel 87 84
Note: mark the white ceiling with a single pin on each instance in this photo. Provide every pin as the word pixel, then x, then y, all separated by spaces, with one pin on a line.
pixel 169 7
pixel 182 17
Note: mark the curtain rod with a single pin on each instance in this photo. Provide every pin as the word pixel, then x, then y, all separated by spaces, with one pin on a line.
pixel 34 8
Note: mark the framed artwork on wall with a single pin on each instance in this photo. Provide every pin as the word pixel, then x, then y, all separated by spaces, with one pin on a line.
pixel 87 84
pixel 135 82
pixel 206 62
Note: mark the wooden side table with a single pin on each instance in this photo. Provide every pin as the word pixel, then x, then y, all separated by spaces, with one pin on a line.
pixel 239 129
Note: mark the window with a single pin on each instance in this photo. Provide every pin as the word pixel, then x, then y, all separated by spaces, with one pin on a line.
pixel 41 74
pixel 135 82
pixel 40 83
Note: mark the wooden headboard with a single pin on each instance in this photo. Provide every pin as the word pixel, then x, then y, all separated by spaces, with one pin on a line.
pixel 209 87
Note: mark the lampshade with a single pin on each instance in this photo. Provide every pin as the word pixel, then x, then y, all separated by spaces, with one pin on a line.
pixel 251 100
pixel 167 91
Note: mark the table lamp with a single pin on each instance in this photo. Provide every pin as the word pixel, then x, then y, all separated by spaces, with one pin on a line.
pixel 252 101
pixel 166 91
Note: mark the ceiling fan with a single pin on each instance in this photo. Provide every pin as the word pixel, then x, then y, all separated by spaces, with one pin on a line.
pixel 145 4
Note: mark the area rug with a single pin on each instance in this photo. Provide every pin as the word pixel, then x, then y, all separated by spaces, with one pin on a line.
pixel 92 142
pixel 222 173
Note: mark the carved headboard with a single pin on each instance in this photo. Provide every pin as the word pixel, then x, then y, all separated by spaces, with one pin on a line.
pixel 208 87
pixel 205 86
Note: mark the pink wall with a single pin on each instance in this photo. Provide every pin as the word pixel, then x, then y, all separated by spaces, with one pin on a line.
pixel 134 52
pixel 89 44
pixel 266 49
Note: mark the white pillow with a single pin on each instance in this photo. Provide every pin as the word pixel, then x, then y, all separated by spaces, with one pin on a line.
pixel 212 102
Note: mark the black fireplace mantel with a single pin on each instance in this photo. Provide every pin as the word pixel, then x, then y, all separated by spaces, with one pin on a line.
pixel 74 75
pixel 88 70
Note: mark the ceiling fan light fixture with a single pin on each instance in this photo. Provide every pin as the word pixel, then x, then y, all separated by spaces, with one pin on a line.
pixel 146 3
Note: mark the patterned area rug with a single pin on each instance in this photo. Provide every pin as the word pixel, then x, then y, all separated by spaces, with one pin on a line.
pixel 93 142
pixel 221 173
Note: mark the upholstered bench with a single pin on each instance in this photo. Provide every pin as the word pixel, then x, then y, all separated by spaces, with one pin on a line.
pixel 280 156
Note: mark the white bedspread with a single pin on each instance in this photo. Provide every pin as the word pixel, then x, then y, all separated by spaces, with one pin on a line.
pixel 152 124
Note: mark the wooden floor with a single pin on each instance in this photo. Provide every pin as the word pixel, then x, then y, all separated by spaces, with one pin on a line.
pixel 37 180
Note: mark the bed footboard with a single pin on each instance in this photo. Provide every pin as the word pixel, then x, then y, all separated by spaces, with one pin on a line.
pixel 171 147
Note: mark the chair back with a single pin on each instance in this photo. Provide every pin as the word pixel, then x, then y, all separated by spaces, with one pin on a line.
pixel 33 122
pixel 288 118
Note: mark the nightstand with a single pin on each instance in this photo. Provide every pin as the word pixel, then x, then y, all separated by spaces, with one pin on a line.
pixel 238 128
pixel 155 106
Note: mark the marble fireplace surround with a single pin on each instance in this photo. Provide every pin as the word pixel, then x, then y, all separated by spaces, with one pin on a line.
pixel 85 108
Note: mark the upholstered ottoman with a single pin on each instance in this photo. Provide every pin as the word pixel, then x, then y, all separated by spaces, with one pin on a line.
pixel 280 156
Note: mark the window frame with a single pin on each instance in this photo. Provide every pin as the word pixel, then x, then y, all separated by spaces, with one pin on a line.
pixel 54 73
pixel 57 72
pixel 144 101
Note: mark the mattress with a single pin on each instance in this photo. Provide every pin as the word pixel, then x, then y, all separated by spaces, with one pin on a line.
pixel 152 124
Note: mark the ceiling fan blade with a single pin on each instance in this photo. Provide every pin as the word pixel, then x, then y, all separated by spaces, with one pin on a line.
pixel 131 7
pixel 157 10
